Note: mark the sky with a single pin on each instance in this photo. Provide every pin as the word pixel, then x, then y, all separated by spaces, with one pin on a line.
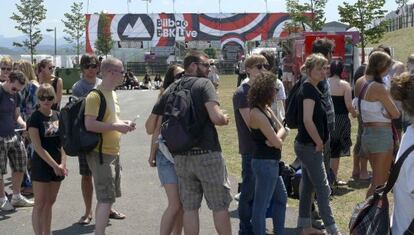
pixel 56 9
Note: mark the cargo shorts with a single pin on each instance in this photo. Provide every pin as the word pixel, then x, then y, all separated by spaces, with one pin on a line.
pixel 203 174
pixel 12 148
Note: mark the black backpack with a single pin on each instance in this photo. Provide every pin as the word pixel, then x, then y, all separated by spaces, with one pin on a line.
pixel 74 137
pixel 292 106
pixel 180 128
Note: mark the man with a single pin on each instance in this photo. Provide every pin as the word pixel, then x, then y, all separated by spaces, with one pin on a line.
pixel 89 65
pixel 12 146
pixel 106 174
pixel 6 66
pixel 287 70
pixel 246 143
pixel 202 170
pixel 241 70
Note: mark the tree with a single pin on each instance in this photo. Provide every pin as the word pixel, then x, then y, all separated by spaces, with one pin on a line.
pixel 362 16
pixel 75 24
pixel 30 14
pixel 104 42
pixel 315 7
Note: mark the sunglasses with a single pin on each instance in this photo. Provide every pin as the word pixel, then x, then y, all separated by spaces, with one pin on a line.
pixel 4 68
pixel 44 98
pixel 92 66
pixel 261 66
pixel 205 64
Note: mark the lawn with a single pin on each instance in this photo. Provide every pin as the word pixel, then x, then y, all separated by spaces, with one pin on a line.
pixel 346 196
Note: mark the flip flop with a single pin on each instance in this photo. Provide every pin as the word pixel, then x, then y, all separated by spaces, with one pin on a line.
pixel 116 215
pixel 84 220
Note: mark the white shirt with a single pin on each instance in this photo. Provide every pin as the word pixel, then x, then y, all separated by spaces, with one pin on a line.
pixel 403 212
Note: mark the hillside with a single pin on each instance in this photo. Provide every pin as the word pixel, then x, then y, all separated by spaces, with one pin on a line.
pixel 402 42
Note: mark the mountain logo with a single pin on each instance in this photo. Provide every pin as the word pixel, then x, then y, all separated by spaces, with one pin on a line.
pixel 135 27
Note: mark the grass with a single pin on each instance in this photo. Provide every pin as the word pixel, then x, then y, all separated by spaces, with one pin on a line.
pixel 347 196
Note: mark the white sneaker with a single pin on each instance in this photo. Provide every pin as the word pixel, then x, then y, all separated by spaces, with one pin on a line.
pixel 6 206
pixel 21 201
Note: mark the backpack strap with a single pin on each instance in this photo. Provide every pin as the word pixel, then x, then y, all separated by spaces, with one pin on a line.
pixel 101 114
pixel 395 170
pixel 410 229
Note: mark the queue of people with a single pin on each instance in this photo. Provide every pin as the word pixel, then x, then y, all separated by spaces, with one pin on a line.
pixel 324 129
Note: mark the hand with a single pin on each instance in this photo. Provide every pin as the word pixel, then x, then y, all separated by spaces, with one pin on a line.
pixel 59 170
pixel 227 119
pixel 151 161
pixel 319 147
pixel 65 170
pixel 131 124
pixel 123 127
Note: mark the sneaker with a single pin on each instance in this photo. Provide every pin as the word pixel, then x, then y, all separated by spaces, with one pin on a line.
pixel 21 202
pixel 6 206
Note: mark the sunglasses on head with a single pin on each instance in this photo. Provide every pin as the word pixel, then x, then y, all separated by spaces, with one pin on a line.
pixel 261 66
pixel 92 66
pixel 6 68
pixel 49 98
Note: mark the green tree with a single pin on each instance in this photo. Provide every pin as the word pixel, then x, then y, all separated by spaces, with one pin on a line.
pixel 104 42
pixel 30 14
pixel 315 7
pixel 362 15
pixel 75 24
pixel 211 52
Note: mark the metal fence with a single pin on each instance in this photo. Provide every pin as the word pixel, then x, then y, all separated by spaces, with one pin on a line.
pixel 400 22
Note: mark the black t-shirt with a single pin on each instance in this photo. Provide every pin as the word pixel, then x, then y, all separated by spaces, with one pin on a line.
pixel 49 133
pixel 308 91
pixel 8 104
pixel 246 143
pixel 202 91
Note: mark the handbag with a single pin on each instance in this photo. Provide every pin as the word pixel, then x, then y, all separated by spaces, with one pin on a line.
pixel 372 215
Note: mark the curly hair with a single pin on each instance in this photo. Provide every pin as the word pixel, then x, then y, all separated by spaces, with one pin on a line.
pixel 312 61
pixel 263 90
pixel 402 90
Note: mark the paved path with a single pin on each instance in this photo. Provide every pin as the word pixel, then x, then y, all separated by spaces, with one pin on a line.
pixel 143 199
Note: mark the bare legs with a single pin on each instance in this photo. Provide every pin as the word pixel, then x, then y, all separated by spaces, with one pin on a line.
pixel 45 196
pixel 172 219
pixel 381 164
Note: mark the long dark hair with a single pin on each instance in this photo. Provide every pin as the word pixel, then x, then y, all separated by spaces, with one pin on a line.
pixel 378 63
pixel 169 76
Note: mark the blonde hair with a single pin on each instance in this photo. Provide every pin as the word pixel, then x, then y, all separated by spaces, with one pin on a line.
pixel 6 60
pixel 402 90
pixel 312 61
pixel 254 59
pixel 27 68
pixel 45 89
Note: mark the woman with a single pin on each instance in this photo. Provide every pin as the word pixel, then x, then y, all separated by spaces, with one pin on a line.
pixel 6 66
pixel 28 105
pixel 267 133
pixel 309 143
pixel 49 159
pixel 213 74
pixel 172 218
pixel 377 109
pixel 45 75
pixel 402 90
pixel 342 100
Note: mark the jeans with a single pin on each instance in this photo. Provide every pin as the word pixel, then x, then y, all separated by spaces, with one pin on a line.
pixel 314 178
pixel 246 195
pixel 266 173
pixel 279 199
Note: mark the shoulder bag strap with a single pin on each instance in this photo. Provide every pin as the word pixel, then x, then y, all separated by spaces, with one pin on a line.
pixel 395 170
pixel 101 114
pixel 361 95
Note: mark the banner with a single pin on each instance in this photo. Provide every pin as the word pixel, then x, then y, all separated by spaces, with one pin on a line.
pixel 165 29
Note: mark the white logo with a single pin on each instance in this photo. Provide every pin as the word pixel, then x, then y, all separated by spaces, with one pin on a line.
pixel 138 31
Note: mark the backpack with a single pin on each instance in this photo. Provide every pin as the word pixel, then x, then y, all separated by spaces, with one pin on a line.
pixel 180 128
pixel 74 137
pixel 292 106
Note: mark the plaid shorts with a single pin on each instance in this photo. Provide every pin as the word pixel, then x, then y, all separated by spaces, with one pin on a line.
pixel 203 174
pixel 12 147
pixel 84 169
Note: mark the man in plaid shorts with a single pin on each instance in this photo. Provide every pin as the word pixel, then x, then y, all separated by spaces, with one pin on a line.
pixel 202 170
pixel 11 144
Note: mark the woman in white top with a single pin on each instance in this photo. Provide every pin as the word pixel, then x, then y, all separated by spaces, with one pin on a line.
pixel 402 90
pixel 377 110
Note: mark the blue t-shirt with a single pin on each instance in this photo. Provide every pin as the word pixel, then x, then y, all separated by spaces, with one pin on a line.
pixel 8 104
pixel 81 88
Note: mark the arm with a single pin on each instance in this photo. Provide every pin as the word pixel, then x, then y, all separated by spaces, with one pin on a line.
pixel 151 122
pixel 59 91
pixel 308 107
pixel 216 115
pixel 19 119
pixel 35 138
pixel 348 100
pixel 258 119
pixel 282 133
pixel 154 145
pixel 63 161
pixel 94 125
pixel 385 98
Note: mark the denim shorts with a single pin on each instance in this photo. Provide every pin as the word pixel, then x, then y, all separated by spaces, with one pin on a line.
pixel 376 140
pixel 166 170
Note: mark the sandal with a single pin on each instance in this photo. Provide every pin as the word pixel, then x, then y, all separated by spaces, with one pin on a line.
pixel 84 220
pixel 116 215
